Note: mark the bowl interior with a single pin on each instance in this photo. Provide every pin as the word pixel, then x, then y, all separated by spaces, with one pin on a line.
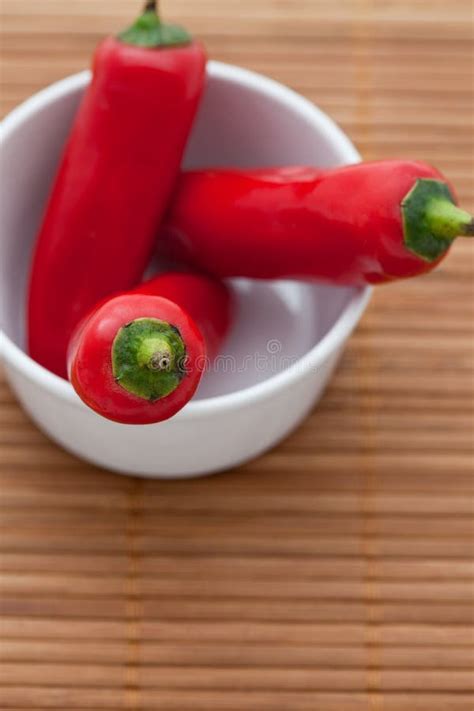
pixel 243 121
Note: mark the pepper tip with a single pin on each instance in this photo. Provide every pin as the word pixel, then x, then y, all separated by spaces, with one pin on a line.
pixel 151 6
pixel 469 230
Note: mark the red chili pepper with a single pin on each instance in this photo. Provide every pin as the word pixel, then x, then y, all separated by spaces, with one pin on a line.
pixel 115 179
pixel 138 358
pixel 366 223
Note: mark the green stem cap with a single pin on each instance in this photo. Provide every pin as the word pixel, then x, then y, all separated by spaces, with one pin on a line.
pixel 148 357
pixel 432 220
pixel 148 31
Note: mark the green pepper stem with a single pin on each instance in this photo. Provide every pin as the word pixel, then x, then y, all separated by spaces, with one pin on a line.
pixel 432 220
pixel 447 220
pixel 148 357
pixel 155 353
pixel 150 33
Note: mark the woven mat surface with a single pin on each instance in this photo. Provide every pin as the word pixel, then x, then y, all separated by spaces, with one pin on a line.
pixel 336 572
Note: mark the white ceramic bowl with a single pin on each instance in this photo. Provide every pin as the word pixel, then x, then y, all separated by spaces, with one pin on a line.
pixel 288 335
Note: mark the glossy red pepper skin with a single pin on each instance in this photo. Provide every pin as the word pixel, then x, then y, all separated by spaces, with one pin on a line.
pixel 207 301
pixel 116 176
pixel 199 307
pixel 343 226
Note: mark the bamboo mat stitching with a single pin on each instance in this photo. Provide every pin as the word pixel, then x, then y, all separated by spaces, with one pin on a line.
pixel 363 62
pixel 134 611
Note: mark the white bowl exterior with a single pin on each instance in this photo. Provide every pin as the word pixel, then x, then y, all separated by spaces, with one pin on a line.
pixel 177 448
pixel 217 433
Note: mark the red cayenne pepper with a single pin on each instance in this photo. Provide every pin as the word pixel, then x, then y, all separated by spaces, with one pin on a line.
pixel 365 223
pixel 117 173
pixel 139 357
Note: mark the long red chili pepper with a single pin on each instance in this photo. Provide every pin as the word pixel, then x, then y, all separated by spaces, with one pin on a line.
pixel 118 170
pixel 366 223
pixel 139 356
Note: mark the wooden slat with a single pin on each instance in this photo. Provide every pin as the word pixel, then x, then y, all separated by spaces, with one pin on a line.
pixel 239 700
pixel 222 631
pixel 182 608
pixel 232 655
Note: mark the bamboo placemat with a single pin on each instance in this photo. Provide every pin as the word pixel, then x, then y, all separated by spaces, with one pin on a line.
pixel 335 573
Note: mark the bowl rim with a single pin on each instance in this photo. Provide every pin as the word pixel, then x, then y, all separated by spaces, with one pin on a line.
pixel 339 332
